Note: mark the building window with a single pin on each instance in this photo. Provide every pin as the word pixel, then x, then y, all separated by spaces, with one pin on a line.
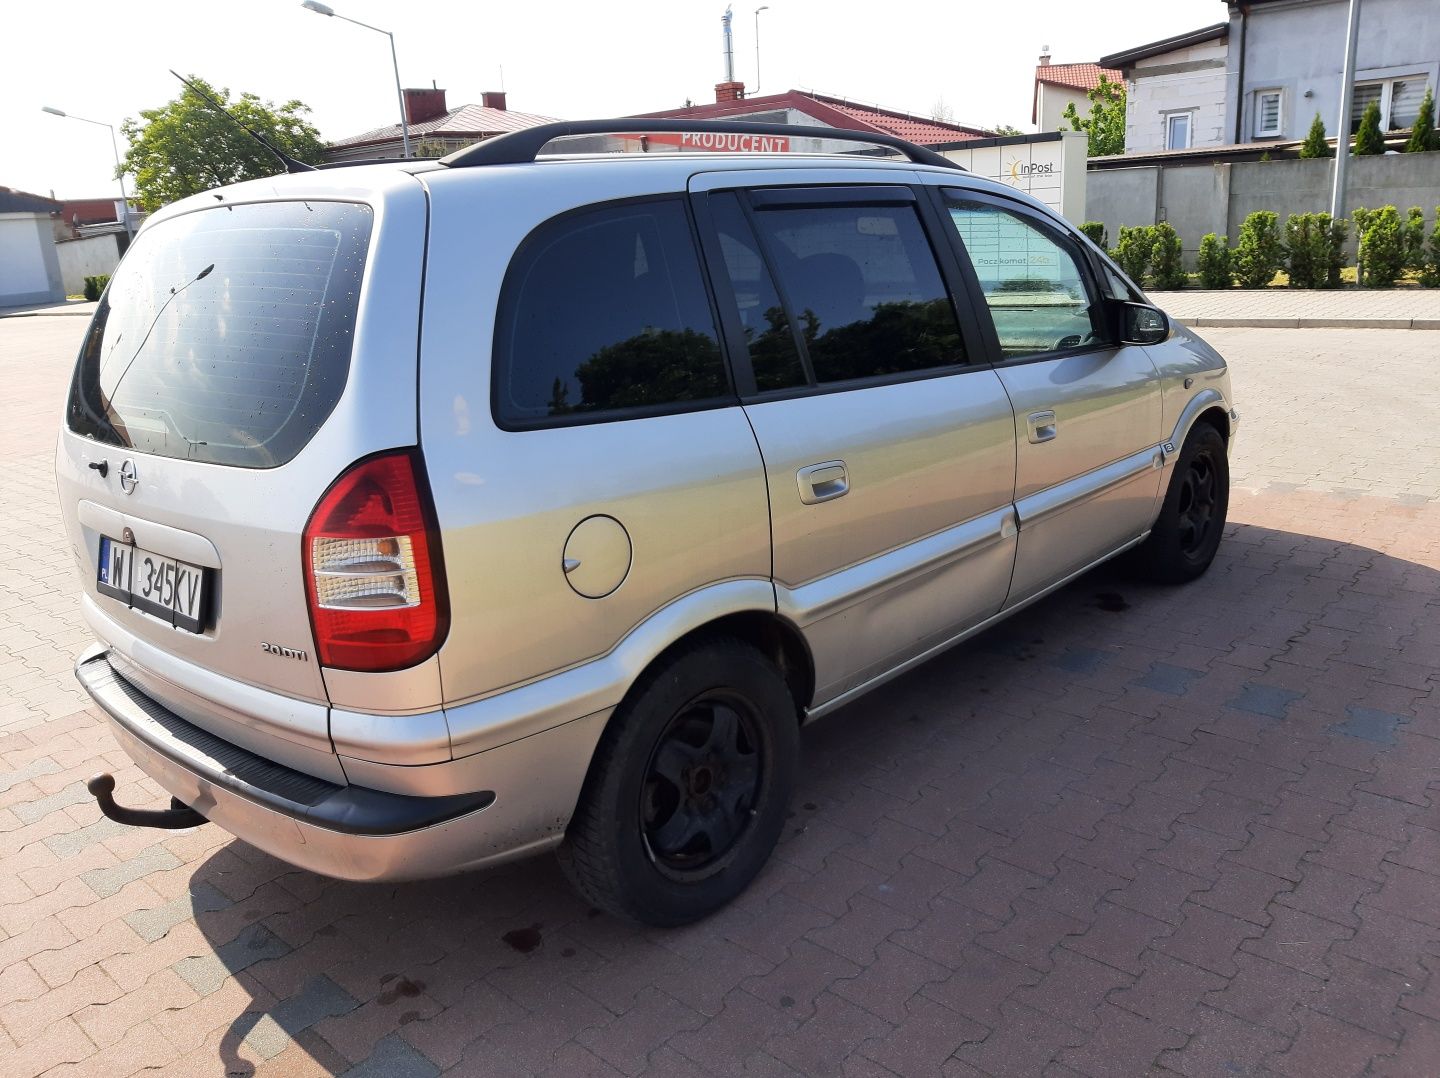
pixel 1267 114
pixel 1177 131
pixel 1399 101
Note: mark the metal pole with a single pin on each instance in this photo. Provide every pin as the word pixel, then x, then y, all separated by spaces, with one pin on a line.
pixel 124 198
pixel 399 96
pixel 763 7
pixel 1347 91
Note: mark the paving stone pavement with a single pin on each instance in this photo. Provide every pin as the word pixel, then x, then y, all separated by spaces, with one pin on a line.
pixel 1418 308
pixel 1134 830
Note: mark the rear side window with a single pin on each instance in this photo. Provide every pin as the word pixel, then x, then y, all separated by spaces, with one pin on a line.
pixel 863 285
pixel 225 334
pixel 604 315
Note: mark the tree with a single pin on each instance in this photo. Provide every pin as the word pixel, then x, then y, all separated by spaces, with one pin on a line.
pixel 1006 129
pixel 1105 125
pixel 1315 144
pixel 1368 140
pixel 184 146
pixel 1423 135
pixel 1259 252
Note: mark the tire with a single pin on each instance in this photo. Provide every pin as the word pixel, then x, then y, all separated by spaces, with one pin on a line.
pixel 1187 533
pixel 689 787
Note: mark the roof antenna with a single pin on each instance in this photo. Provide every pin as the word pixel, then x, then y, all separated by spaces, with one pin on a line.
pixel 290 163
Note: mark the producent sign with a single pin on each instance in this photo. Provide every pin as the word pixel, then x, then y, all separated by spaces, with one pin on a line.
pixel 719 142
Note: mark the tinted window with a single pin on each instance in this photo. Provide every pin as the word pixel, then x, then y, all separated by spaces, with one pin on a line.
pixel 605 311
pixel 863 285
pixel 225 334
pixel 773 355
pixel 1033 280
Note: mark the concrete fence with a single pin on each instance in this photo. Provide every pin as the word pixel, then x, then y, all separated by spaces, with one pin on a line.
pixel 87 257
pixel 1201 198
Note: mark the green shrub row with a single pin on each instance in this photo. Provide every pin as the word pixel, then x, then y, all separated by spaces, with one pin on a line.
pixel 95 285
pixel 1310 249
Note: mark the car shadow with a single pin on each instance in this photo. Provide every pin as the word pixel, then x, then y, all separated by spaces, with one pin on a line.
pixel 401 977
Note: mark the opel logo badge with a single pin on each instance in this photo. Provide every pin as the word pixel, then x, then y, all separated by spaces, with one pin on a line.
pixel 128 479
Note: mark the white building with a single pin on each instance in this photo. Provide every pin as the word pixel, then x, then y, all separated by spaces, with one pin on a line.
pixel 1175 90
pixel 1058 86
pixel 29 268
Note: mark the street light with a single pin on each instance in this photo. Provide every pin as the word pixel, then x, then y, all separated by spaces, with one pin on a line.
pixel 115 148
pixel 765 7
pixel 326 9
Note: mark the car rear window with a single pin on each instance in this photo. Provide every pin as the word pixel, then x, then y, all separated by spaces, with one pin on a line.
pixel 225 334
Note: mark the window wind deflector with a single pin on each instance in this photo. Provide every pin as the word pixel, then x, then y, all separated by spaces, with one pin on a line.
pixel 522 147
pixel 768 197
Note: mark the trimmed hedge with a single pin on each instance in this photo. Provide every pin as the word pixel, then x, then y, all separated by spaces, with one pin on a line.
pixel 1214 262
pixel 95 285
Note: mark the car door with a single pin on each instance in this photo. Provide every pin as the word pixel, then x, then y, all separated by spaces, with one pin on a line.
pixel 889 453
pixel 1087 408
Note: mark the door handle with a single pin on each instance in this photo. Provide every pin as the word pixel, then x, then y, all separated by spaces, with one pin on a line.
pixel 1042 426
pixel 822 482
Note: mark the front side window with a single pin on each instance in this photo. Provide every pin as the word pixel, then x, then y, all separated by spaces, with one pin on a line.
pixel 1177 131
pixel 604 313
pixel 1034 282
pixel 863 285
pixel 1267 114
pixel 225 335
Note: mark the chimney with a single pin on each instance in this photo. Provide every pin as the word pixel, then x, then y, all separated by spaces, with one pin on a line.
pixel 422 105
pixel 493 99
pixel 1044 55
pixel 729 91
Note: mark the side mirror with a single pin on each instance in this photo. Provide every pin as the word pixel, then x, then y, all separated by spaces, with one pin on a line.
pixel 1142 324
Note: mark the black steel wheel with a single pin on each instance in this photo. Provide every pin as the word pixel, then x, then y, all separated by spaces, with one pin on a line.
pixel 1187 533
pixel 688 788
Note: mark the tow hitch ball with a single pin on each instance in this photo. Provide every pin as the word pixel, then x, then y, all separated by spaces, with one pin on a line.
pixel 177 816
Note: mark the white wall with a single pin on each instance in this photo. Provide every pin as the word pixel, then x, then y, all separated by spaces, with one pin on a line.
pixel 1050 108
pixel 87 257
pixel 1184 80
pixel 1051 169
pixel 29 270
pixel 1300 47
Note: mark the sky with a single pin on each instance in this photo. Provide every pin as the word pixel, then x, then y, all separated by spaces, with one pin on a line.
pixel 106 62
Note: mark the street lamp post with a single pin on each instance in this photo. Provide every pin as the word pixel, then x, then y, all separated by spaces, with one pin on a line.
pixel 115 149
pixel 764 7
pixel 325 9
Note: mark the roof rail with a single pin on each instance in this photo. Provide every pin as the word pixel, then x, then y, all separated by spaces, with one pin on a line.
pixel 522 147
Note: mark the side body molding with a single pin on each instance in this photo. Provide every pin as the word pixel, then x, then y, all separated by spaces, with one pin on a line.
pixel 601 683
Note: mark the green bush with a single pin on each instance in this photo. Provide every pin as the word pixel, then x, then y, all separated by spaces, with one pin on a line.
pixel 1430 271
pixel 95 285
pixel 1413 238
pixel 1382 246
pixel 1368 139
pixel 1132 251
pixel 1213 262
pixel 1315 144
pixel 1095 232
pixel 1259 253
pixel 1315 250
pixel 1166 269
pixel 1423 135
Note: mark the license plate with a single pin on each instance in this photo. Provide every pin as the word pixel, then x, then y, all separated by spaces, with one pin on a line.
pixel 166 588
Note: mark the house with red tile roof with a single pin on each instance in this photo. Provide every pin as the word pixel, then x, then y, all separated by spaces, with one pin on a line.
pixel 435 130
pixel 1059 85
pixel 806 108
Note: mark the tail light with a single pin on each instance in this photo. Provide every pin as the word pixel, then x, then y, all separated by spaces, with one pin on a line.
pixel 373 570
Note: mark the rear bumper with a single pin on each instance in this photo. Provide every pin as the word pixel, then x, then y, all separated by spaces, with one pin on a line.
pixel 345 831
